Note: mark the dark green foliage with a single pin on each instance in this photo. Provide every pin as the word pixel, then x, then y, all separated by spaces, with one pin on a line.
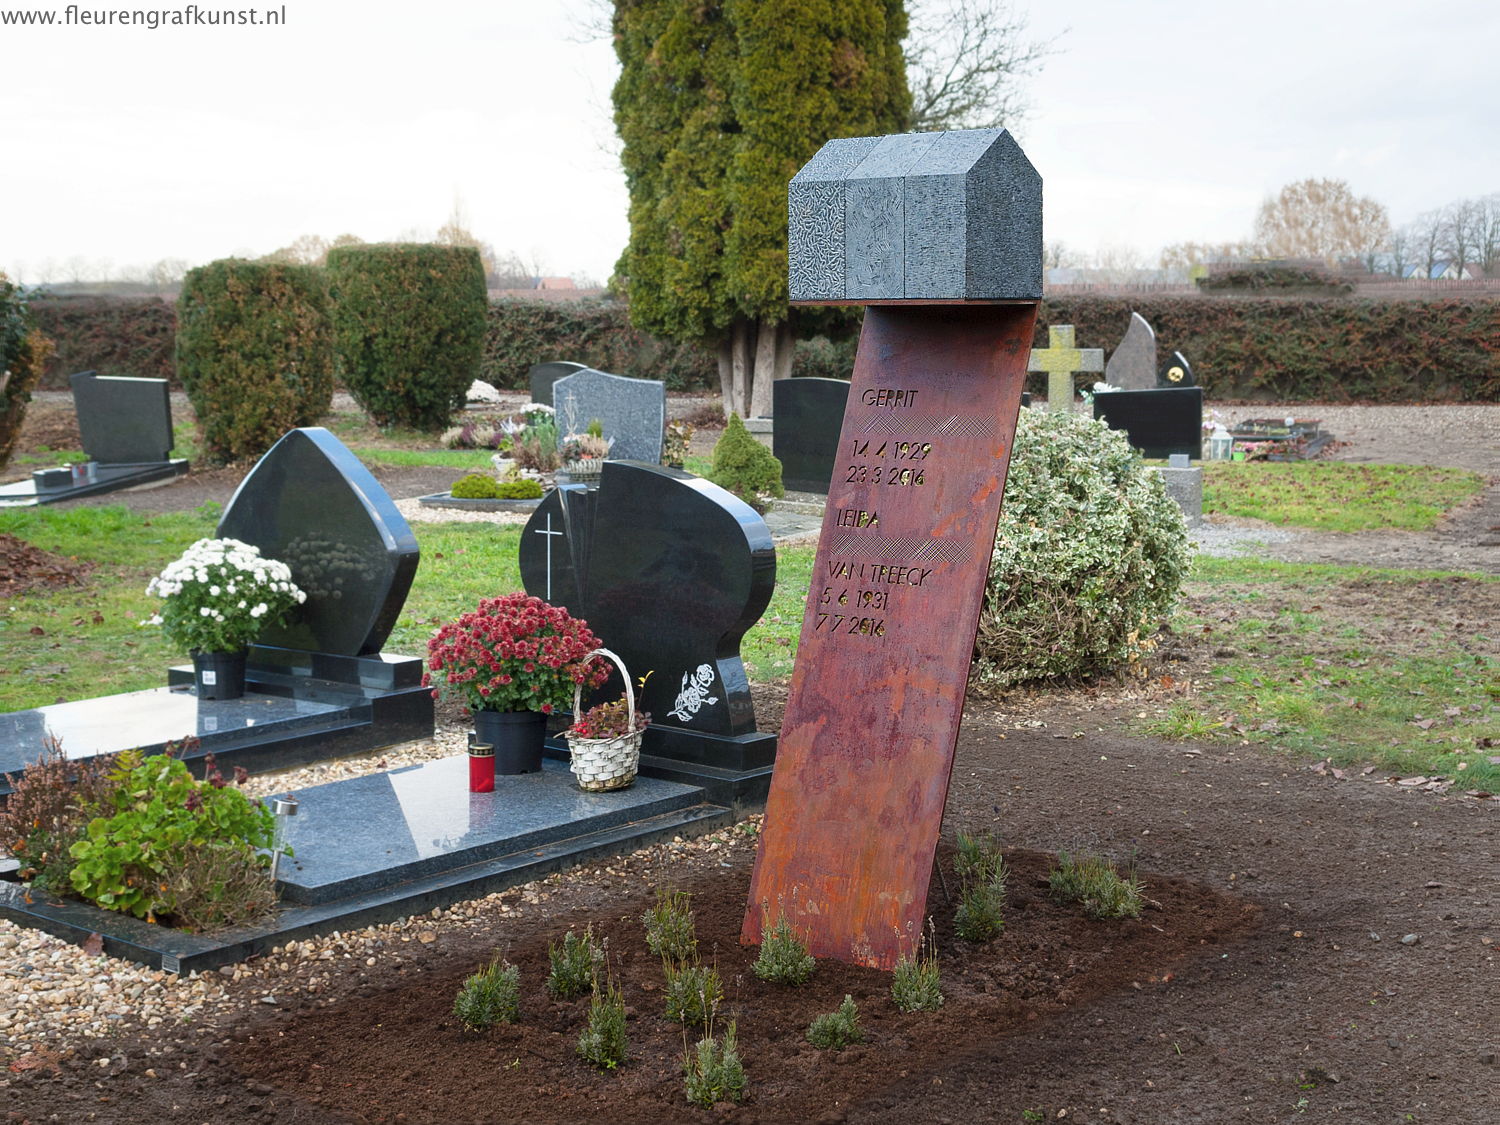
pixel 669 926
pixel 48 811
pixel 254 351
pixel 23 354
pixel 524 489
pixel 981 889
pixel 714 1072
pixel 837 1029
pixel 409 324
pixel 783 959
pixel 603 1040
pixel 1095 884
pixel 1276 278
pixel 745 467
pixel 575 962
pixel 825 358
pixel 474 486
pixel 718 104
pixel 694 993
pixel 1269 349
pixel 134 336
pixel 915 985
pixel 490 996
pixel 597 333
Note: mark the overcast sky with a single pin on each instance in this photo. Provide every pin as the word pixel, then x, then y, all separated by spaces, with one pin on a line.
pixel 1155 121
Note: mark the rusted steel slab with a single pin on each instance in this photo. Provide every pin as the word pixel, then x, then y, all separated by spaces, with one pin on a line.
pixel 877 690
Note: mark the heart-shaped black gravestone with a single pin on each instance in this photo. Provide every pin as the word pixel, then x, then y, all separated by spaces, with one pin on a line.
pixel 669 570
pixel 310 503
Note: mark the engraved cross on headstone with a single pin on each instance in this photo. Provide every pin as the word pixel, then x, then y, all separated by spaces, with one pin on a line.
pixel 548 533
pixel 940 235
pixel 1060 359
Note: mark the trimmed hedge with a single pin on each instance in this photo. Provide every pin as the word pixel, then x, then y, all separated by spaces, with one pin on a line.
pixel 255 352
pixel 409 327
pixel 135 336
pixel 1320 350
pixel 23 353
pixel 597 333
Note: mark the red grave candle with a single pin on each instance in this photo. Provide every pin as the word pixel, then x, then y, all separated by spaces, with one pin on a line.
pixel 481 768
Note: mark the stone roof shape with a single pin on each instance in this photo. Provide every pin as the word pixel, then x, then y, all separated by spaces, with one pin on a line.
pixel 953 216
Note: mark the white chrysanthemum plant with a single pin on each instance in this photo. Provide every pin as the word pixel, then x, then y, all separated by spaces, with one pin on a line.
pixel 220 594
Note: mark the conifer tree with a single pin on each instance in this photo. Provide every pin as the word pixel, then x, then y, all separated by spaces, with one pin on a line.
pixel 718 103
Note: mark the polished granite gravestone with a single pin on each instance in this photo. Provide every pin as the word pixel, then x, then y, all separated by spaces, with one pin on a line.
pixel 544 376
pixel 633 411
pixel 126 429
pixel 1060 359
pixel 806 437
pixel 867 745
pixel 669 570
pixel 1176 372
pixel 1132 366
pixel 372 849
pixel 1158 422
pixel 318 687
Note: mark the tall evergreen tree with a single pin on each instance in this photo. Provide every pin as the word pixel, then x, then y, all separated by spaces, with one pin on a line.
pixel 719 102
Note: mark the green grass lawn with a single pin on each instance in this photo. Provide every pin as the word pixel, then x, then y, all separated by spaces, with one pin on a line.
pixel 1336 495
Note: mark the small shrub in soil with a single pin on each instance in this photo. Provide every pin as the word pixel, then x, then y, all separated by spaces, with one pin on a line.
pixel 836 1029
pixel 524 489
pixel 48 811
pixel 713 1071
pixel 575 963
pixel 694 993
pixel 915 986
pixel 783 958
pixel 981 877
pixel 669 926
pixel 1095 884
pixel 490 996
pixel 474 486
pixel 603 1040
pixel 745 467
pixel 222 883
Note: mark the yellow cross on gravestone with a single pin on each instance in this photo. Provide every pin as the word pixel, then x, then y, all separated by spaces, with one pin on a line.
pixel 1060 359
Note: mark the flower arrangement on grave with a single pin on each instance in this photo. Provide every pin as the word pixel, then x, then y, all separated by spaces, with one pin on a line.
pixel 512 653
pixel 609 720
pixel 604 742
pixel 220 594
pixel 676 441
pixel 585 447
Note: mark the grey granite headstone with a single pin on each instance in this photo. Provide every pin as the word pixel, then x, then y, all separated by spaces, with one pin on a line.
pixel 1133 365
pixel 121 420
pixel 543 376
pixel 310 503
pixel 633 411
pixel 916 217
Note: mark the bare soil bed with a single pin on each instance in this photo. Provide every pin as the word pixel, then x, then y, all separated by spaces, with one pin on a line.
pixel 1317 949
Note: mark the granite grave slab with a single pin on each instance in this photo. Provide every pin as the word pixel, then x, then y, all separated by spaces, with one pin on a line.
pixel 633 411
pixel 1159 423
pixel 807 411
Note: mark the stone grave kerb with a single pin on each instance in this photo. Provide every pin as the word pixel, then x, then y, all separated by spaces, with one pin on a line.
pixel 1060 359
pixel 939 235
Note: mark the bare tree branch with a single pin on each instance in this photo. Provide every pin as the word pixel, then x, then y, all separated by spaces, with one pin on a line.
pixel 965 62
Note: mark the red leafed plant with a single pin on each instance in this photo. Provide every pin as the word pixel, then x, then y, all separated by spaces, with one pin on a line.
pixel 608 720
pixel 512 653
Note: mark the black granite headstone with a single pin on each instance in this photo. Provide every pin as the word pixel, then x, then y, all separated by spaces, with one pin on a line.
pixel 670 571
pixel 123 421
pixel 543 375
pixel 313 505
pixel 1159 423
pixel 808 414
pixel 1177 373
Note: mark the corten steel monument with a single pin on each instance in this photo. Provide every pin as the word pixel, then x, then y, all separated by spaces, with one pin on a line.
pixel 940 234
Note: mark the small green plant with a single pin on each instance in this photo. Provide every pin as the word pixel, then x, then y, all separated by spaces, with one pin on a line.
pixel 490 996
pixel 745 467
pixel 915 986
pixel 523 489
pixel 221 884
pixel 595 428
pixel 1181 721
pixel 474 486
pixel 1096 885
pixel 694 992
pixel 154 814
pixel 713 1072
pixel 837 1029
pixel 981 877
pixel 1030 1115
pixel 575 962
pixel 603 1040
pixel 783 958
pixel 669 926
